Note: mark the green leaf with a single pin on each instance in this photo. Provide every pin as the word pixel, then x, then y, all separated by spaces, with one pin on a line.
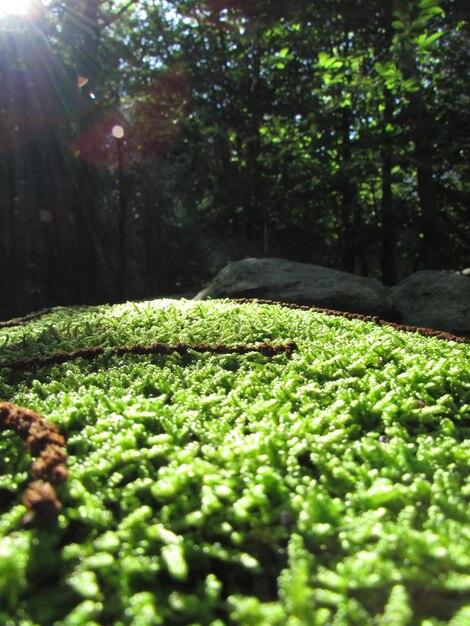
pixel 410 85
pixel 428 13
pixel 402 13
pixel 284 53
pixel 323 57
pixel 336 64
pixel 426 4
pixel 388 69
pixel 434 37
pixel 424 40
pixel 329 62
pixel 398 25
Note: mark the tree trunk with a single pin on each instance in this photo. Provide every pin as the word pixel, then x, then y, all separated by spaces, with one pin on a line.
pixel 348 196
pixel 388 256
pixel 431 223
pixel 422 133
pixel 85 30
pixel 255 179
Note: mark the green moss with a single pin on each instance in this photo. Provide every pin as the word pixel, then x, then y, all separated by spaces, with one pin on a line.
pixel 325 487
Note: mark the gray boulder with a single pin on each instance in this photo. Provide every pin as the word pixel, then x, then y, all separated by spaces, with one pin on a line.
pixel 435 299
pixel 301 283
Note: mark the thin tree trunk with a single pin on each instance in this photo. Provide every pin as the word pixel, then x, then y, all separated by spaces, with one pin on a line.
pixel 348 196
pixel 87 35
pixel 422 133
pixel 388 256
pixel 258 208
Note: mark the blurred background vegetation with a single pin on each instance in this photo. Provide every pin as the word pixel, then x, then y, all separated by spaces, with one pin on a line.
pixel 144 144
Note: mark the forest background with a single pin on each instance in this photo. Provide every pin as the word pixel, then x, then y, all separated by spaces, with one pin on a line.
pixel 144 144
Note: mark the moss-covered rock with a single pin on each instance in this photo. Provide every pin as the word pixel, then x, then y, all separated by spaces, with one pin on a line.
pixel 326 484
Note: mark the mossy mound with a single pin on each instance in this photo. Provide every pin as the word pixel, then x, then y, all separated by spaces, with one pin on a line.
pixel 326 484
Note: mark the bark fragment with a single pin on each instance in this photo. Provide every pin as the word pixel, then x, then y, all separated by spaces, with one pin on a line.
pixel 46 444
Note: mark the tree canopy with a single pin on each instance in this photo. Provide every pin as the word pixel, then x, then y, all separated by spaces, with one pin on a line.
pixel 143 144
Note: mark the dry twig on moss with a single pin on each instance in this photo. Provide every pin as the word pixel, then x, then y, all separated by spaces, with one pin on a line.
pixel 46 444
pixel 266 349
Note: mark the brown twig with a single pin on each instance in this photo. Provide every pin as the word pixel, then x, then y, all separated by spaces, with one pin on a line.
pixel 46 444
pixel 56 358
pixel 21 321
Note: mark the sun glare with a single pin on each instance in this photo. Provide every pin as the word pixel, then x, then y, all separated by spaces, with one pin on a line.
pixel 15 7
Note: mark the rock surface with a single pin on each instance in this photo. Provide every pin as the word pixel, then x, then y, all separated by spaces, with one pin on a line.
pixel 301 283
pixel 438 300
pixel 435 299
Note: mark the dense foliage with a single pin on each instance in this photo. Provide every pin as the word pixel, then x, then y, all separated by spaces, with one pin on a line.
pixel 326 486
pixel 333 132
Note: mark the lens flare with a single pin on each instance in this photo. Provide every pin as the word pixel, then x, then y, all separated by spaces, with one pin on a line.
pixel 117 132
pixel 15 7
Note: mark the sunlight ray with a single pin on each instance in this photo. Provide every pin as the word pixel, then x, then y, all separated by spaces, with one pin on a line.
pixel 15 7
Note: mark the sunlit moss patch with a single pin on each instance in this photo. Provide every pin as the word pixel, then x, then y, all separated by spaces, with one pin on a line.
pixel 324 485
